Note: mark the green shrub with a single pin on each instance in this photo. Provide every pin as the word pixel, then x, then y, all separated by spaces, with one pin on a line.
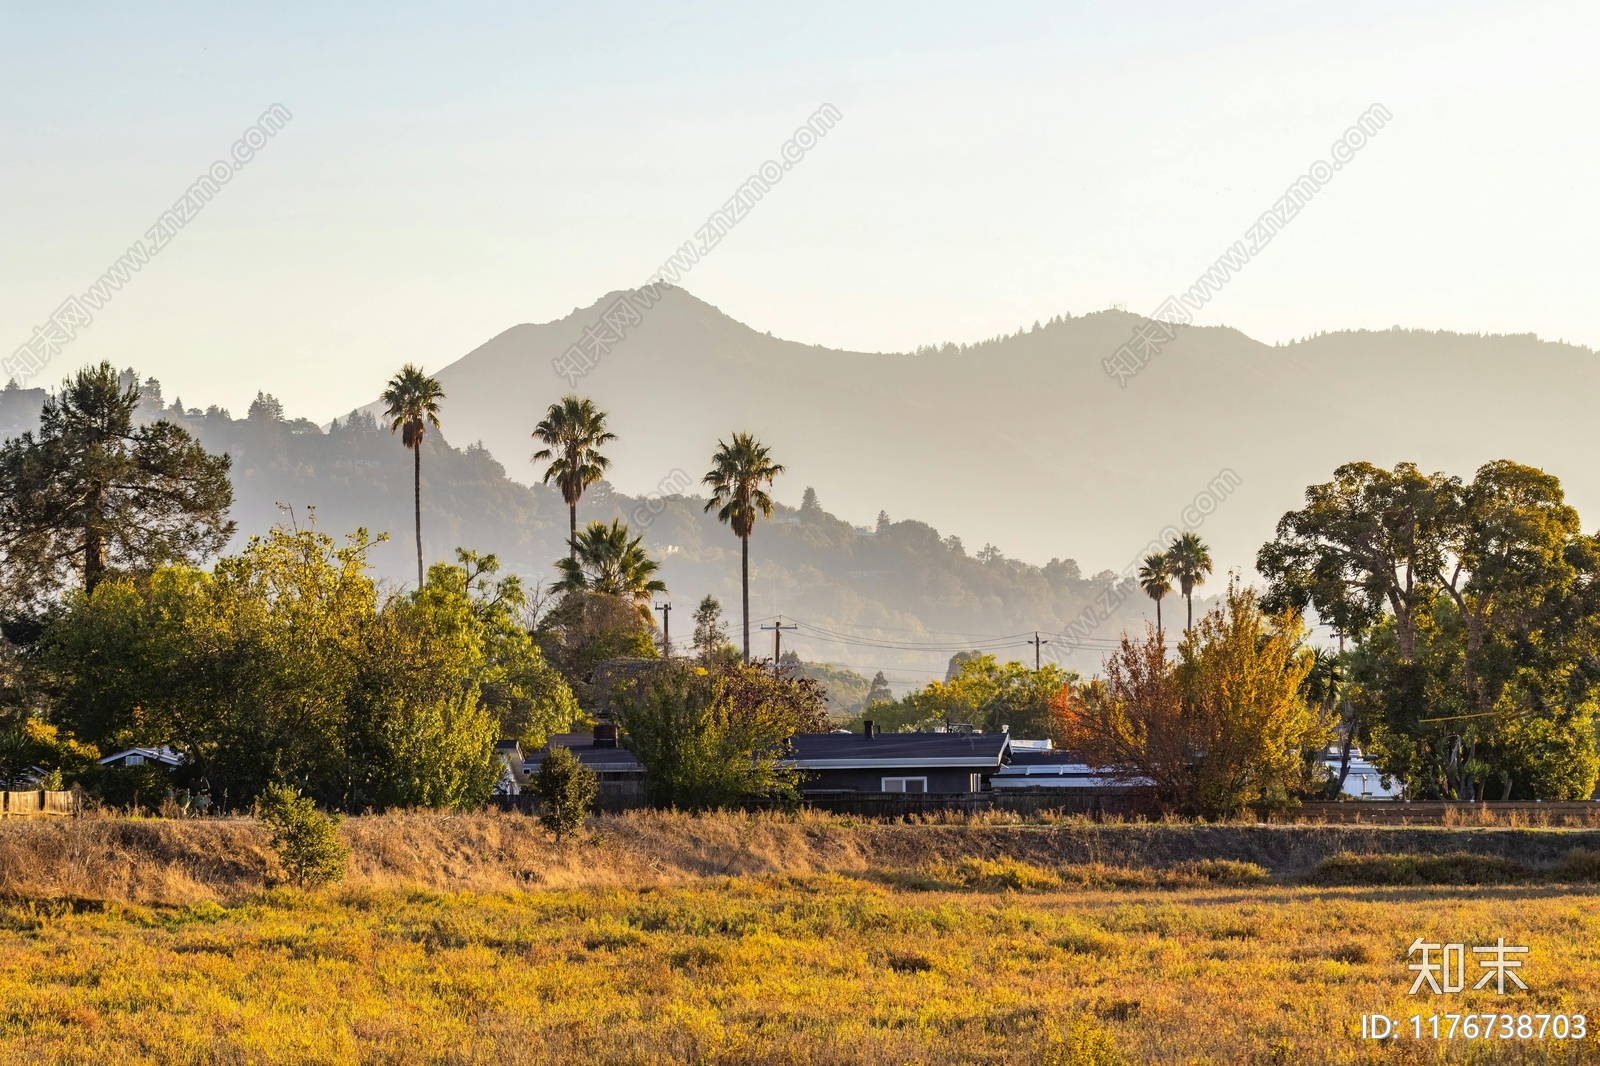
pixel 306 840
pixel 1580 864
pixel 712 740
pixel 131 788
pixel 566 790
pixel 1220 872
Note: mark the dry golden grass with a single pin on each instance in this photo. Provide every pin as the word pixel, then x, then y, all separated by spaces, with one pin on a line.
pixel 777 969
pixel 179 862
pixel 663 938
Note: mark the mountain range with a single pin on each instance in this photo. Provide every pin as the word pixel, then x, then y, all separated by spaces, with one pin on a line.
pixel 1022 443
pixel 1026 441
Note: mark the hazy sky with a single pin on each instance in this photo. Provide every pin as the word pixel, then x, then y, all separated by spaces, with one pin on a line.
pixel 452 170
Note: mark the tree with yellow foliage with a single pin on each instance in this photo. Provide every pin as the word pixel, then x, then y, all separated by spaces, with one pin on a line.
pixel 1225 728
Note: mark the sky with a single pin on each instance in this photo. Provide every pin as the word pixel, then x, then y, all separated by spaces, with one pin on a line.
pixel 452 170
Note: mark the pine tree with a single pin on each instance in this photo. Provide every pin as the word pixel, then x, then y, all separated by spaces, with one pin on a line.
pixel 95 493
pixel 709 631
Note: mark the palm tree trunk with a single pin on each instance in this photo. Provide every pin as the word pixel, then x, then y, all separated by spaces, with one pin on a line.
pixel 1158 614
pixel 416 485
pixel 1188 598
pixel 744 565
pixel 572 526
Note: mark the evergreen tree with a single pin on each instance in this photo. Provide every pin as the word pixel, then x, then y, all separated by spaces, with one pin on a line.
pixel 879 692
pixel 566 790
pixel 709 631
pixel 265 408
pixel 737 473
pixel 94 493
pixel 572 432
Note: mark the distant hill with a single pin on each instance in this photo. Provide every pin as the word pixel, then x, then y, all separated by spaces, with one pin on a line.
pixel 1021 444
pixel 19 410
pixel 1025 441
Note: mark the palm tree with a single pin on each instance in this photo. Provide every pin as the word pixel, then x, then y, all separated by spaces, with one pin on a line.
pixel 572 432
pixel 1155 577
pixel 1189 560
pixel 1324 688
pixel 738 471
pixel 606 561
pixel 413 398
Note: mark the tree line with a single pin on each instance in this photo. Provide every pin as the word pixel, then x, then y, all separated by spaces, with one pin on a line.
pixel 286 663
pixel 1467 621
pixel 1466 613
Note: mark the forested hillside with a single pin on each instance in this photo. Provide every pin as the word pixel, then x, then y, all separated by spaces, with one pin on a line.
pixel 1024 439
pixel 897 596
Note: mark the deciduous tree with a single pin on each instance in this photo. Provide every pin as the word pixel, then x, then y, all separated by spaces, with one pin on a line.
pixel 1222 729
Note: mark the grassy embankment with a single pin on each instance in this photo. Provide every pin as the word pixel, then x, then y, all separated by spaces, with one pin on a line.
pixel 664 939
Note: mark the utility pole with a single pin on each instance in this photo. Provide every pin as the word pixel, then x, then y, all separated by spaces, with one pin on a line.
pixel 666 628
pixel 1037 644
pixel 777 640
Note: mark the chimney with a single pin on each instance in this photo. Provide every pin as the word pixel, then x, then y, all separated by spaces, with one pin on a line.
pixel 605 734
pixel 867 728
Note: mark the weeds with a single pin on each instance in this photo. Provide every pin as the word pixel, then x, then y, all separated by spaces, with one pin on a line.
pixel 1457 868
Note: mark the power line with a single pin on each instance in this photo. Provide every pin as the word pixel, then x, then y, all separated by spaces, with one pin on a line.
pixel 777 641
pixel 666 628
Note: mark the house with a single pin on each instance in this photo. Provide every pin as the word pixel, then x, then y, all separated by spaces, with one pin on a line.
pixel 508 753
pixel 1039 764
pixel 871 761
pixel 1363 782
pixel 163 757
pixel 621 776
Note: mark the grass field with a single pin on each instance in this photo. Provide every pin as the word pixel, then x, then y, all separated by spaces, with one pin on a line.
pixel 966 961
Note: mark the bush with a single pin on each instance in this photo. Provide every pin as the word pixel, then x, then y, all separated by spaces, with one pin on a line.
pixel 1580 864
pixel 1457 868
pixel 131 787
pixel 711 740
pixel 1220 872
pixel 566 790
pixel 306 840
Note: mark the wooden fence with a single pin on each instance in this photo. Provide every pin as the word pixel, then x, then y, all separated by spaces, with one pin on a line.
pixel 38 804
pixel 1092 803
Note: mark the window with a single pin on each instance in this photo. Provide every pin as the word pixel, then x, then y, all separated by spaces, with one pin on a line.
pixel 905 784
pixel 133 760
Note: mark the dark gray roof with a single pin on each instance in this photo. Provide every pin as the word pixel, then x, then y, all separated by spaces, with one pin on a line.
pixel 842 751
pixel 582 745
